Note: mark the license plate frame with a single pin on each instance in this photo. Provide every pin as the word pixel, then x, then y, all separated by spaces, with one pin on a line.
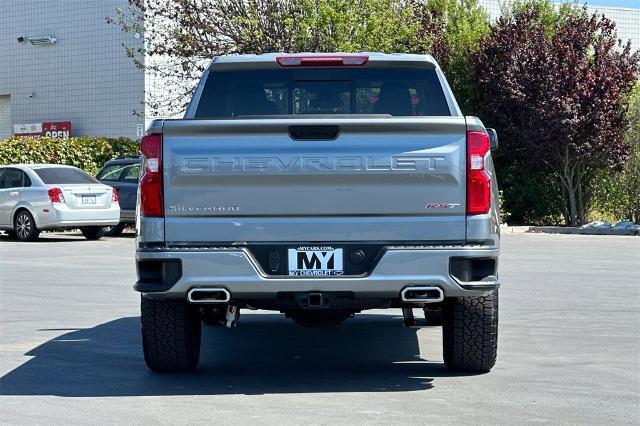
pixel 88 200
pixel 315 261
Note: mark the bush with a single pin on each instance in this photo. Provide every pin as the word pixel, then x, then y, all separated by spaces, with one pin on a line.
pixel 87 153
pixel 616 194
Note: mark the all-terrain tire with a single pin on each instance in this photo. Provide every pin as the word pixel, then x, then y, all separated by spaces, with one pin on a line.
pixel 93 232
pixel 470 333
pixel 171 335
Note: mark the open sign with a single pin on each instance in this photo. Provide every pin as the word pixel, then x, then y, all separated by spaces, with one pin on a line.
pixel 52 129
pixel 57 129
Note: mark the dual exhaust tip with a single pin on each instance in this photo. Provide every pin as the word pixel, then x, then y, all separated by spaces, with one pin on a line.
pixel 422 294
pixel 208 295
pixel 411 294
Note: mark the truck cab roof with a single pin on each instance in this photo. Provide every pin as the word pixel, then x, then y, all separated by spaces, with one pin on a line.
pixel 376 59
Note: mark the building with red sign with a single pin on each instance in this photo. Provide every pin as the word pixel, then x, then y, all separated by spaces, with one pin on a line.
pixel 65 70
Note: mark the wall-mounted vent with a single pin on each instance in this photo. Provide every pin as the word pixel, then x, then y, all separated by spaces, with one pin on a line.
pixel 42 40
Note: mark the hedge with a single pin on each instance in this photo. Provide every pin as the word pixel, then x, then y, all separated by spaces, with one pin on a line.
pixel 87 153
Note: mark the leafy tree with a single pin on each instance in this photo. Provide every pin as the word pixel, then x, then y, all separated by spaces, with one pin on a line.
pixel 618 194
pixel 181 36
pixel 556 94
pixel 451 31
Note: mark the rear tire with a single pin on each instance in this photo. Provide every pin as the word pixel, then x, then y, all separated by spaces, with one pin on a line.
pixel 114 231
pixel 24 226
pixel 171 335
pixel 470 333
pixel 93 232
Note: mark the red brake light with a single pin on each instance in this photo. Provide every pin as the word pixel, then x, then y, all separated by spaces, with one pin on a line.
pixel 322 60
pixel 151 180
pixel 478 180
pixel 55 195
pixel 114 195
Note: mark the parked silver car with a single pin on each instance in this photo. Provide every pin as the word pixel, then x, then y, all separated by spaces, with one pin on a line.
pixel 35 197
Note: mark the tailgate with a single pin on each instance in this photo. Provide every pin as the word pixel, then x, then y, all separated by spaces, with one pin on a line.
pixel 379 179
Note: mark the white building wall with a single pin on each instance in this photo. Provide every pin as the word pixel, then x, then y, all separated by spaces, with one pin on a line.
pixel 627 20
pixel 85 77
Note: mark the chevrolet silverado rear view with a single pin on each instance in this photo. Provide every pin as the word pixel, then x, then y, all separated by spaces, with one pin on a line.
pixel 319 186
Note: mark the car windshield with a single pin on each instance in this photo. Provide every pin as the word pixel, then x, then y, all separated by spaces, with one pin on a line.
pixel 312 91
pixel 111 171
pixel 64 175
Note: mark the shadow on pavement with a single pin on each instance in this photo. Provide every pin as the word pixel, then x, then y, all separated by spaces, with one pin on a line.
pixel 266 354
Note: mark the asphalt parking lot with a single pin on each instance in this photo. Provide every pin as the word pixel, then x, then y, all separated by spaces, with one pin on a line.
pixel 569 348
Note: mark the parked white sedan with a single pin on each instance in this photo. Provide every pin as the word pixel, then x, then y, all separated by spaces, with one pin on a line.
pixel 35 197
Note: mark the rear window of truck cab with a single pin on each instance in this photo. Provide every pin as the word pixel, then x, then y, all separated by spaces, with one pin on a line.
pixel 318 91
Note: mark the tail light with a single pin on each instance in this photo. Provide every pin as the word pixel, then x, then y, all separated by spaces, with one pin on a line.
pixel 322 60
pixel 478 180
pixel 151 180
pixel 114 195
pixel 55 195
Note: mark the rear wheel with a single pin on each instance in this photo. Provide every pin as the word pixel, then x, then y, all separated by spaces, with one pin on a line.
pixel 470 333
pixel 24 226
pixel 114 231
pixel 93 232
pixel 171 334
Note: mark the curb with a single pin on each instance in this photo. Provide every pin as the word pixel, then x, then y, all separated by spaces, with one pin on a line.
pixel 581 231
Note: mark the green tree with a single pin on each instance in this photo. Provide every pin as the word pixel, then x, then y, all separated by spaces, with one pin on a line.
pixel 181 36
pixel 451 31
pixel 617 195
pixel 556 95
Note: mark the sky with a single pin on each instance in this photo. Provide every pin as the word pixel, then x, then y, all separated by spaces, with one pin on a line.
pixel 612 3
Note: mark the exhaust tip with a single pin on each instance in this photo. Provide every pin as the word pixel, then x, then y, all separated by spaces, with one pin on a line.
pixel 208 295
pixel 422 294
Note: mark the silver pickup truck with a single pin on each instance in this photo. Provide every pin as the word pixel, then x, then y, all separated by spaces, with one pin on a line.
pixel 319 185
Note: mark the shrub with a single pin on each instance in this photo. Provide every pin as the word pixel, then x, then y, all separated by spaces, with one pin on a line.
pixel 87 153
pixel 617 195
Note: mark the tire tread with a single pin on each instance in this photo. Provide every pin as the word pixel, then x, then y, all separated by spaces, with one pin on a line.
pixel 470 333
pixel 171 334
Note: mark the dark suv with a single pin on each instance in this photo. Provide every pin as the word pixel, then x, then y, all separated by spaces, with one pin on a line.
pixel 122 174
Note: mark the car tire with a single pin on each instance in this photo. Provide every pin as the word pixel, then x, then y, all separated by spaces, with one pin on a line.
pixel 24 226
pixel 171 335
pixel 470 333
pixel 114 231
pixel 93 232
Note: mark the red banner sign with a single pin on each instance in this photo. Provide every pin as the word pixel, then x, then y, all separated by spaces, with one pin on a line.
pixel 57 129
pixel 52 129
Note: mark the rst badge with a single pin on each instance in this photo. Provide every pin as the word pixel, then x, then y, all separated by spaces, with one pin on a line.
pixel 315 261
pixel 441 205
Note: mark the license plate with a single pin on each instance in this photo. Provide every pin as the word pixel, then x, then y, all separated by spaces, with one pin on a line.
pixel 88 199
pixel 315 261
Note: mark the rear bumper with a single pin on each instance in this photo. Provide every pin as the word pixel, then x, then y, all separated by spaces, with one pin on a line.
pixel 235 270
pixel 64 217
pixel 127 216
